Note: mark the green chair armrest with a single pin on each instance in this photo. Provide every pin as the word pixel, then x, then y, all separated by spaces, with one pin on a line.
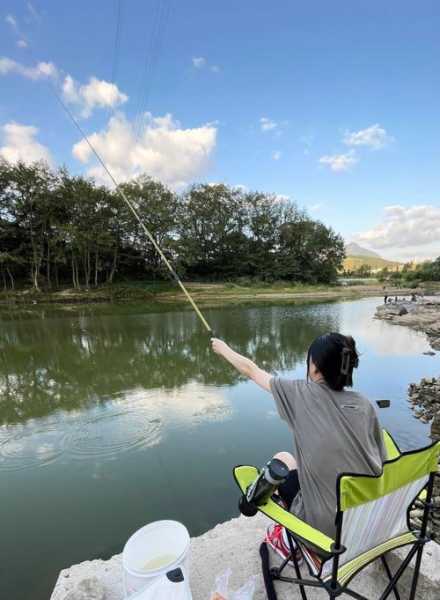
pixel 244 475
pixel 390 446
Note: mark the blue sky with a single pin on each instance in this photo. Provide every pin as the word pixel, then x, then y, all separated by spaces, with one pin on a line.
pixel 335 105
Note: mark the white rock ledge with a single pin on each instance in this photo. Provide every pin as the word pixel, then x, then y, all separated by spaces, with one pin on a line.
pixel 235 544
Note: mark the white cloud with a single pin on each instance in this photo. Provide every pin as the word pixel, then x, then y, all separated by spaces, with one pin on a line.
pixel 96 93
pixel 20 144
pixel 374 137
pixel 33 12
pixel 41 71
pixel 314 208
pixel 163 150
pixel 276 155
pixel 405 228
pixel 199 62
pixel 12 21
pixel 267 124
pixel 339 162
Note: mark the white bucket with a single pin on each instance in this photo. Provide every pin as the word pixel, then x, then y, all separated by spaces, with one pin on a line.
pixel 152 551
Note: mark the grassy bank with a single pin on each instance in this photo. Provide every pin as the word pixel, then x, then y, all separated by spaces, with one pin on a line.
pixel 207 294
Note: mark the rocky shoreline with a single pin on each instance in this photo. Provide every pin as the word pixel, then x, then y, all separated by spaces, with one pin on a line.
pixel 422 315
pixel 425 400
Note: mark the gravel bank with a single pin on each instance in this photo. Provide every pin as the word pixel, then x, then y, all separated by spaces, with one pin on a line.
pixel 235 545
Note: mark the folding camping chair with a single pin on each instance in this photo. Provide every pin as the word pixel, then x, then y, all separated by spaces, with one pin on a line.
pixel 372 518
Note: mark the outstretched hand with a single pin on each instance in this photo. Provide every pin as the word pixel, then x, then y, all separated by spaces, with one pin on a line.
pixel 219 346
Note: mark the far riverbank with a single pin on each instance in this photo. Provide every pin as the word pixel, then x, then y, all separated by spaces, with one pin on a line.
pixel 421 316
pixel 207 294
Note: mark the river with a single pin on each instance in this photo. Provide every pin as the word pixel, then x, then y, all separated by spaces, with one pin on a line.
pixel 111 417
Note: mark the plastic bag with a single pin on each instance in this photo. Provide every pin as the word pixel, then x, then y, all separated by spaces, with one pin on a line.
pixel 221 588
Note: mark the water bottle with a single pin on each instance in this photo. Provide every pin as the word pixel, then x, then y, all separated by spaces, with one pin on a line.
pixel 272 475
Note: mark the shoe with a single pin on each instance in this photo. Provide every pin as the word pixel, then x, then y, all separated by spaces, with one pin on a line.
pixel 276 538
pixel 312 560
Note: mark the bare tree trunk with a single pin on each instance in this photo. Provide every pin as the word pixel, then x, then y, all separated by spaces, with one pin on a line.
pixel 96 268
pixel 115 262
pixel 49 283
pixel 11 278
pixel 35 270
pixel 88 269
pixel 75 277
pixel 73 272
pixel 35 277
pixel 5 287
pixel 77 283
pixel 57 282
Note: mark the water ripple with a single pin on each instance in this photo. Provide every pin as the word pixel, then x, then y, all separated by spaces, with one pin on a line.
pixel 109 434
pixel 29 446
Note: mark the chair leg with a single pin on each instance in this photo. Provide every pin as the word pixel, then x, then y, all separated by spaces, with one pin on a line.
pixel 416 573
pixel 397 575
pixel 390 576
pixel 268 580
pixel 296 565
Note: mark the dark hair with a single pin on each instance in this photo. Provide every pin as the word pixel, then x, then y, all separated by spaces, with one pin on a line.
pixel 335 356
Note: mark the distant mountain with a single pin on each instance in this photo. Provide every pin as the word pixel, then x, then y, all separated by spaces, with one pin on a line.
pixel 354 249
pixel 356 257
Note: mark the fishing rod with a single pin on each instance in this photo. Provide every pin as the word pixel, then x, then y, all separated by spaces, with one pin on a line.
pixel 133 210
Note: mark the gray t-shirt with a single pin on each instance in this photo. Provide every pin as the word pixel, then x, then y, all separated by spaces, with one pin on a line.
pixel 333 433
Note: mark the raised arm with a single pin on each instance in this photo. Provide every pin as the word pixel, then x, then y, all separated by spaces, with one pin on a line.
pixel 244 365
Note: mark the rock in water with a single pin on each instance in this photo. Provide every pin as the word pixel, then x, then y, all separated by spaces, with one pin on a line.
pixel 87 589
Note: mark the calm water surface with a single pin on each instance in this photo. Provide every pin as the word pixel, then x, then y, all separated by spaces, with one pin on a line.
pixel 112 417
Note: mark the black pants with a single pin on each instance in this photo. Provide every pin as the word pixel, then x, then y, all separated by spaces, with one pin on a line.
pixel 289 489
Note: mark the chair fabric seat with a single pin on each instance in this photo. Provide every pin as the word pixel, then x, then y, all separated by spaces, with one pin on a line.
pixel 349 569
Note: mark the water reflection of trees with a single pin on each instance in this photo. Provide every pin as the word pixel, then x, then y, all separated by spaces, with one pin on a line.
pixel 53 363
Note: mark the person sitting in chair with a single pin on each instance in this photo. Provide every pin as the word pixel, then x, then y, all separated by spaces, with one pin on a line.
pixel 334 430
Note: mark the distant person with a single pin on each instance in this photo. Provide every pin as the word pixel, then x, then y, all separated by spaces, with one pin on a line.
pixel 396 300
pixel 385 299
pixel 334 430
pixel 414 298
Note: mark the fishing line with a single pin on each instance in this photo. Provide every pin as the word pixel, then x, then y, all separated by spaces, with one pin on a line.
pixel 152 54
pixel 132 209
pixel 117 43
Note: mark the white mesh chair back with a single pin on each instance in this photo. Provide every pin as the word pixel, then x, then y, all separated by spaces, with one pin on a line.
pixel 375 509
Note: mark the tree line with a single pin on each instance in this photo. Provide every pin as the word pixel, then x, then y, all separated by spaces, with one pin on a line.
pixel 59 229
pixel 409 273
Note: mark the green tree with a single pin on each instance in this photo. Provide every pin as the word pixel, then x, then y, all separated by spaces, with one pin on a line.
pixel 309 251
pixel 26 203
pixel 157 207
pixel 211 231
